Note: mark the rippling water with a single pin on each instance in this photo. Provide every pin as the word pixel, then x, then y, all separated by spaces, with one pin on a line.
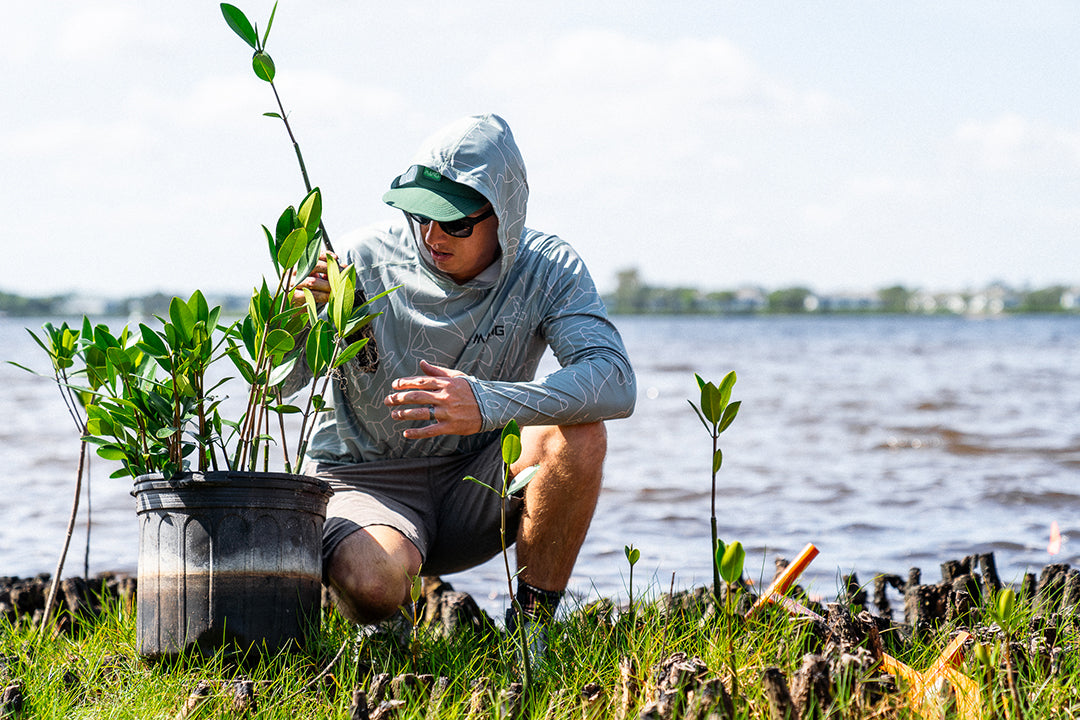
pixel 888 442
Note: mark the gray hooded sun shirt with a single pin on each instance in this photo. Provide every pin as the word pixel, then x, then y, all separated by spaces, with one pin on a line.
pixel 494 328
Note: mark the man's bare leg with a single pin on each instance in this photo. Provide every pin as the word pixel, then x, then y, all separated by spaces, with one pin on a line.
pixel 559 501
pixel 370 573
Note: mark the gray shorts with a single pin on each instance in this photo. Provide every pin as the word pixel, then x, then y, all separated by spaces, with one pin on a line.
pixel 453 522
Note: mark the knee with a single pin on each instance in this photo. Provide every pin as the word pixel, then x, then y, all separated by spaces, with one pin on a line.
pixel 368 586
pixel 364 598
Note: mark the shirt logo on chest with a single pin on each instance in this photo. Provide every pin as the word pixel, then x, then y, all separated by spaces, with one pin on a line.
pixel 496 331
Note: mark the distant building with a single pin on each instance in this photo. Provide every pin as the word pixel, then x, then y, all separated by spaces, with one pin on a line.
pixel 843 302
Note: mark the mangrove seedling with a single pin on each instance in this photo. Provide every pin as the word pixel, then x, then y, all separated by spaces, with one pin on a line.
pixel 632 557
pixel 729 559
pixel 1009 619
pixel 716 413
pixel 511 452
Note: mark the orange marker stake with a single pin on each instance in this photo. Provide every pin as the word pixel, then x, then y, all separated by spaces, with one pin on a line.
pixel 785 579
pixel 923 692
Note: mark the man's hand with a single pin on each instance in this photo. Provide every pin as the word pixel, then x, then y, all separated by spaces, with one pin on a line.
pixel 440 396
pixel 316 282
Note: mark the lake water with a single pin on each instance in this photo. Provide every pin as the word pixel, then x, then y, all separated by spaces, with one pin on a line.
pixel 888 442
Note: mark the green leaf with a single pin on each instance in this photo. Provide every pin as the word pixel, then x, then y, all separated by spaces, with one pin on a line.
pixel 245 367
pixel 293 248
pixel 712 407
pixel 359 321
pixel 700 416
pixel 23 367
pixel 112 452
pixel 470 478
pixel 729 415
pixel 312 308
pixel 522 479
pixel 271 114
pixel 182 319
pixel 286 224
pixel 336 303
pixel 285 409
pixel 632 554
pixel 279 342
pixel 511 428
pixel 279 374
pixel 310 258
pixel 1006 605
pixel 269 23
pixel 263 66
pixel 416 589
pixel 240 25
pixel 152 343
pixel 511 448
pixel 200 309
pixel 725 387
pixel 717 460
pixel 310 212
pixel 731 564
pixel 319 348
pixel 272 246
pixel 350 352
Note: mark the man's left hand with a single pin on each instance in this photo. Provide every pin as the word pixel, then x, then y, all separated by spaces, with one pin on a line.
pixel 441 396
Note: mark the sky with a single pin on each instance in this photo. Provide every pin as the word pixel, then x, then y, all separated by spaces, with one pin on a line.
pixel 842 146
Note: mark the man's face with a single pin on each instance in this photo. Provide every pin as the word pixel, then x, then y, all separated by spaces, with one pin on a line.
pixel 463 258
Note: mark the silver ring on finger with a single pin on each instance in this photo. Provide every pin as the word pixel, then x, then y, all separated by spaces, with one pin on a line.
pixel 431 413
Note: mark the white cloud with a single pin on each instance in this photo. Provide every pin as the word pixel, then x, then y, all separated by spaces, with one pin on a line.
pixel 688 87
pixel 1013 142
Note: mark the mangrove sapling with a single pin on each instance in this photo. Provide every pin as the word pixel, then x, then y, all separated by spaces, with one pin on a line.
pixel 716 413
pixel 511 452
pixel 148 402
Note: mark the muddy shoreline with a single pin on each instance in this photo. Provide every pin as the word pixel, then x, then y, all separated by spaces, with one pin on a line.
pixel 921 606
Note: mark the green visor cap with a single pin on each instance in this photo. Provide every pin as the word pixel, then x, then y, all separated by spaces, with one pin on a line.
pixel 422 191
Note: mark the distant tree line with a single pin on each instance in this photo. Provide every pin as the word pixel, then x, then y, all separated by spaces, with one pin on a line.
pixel 70 304
pixel 632 296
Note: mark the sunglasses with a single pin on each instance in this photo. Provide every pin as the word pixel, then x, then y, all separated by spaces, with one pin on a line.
pixel 455 228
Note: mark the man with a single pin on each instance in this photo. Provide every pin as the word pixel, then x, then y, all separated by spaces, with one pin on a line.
pixel 478 299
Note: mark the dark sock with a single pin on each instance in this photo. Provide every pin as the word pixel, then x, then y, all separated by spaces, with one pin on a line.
pixel 536 603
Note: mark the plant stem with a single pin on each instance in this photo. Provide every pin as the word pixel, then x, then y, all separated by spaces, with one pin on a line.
pixel 522 631
pixel 67 538
pixel 300 159
pixel 284 441
pixel 1013 690
pixel 715 560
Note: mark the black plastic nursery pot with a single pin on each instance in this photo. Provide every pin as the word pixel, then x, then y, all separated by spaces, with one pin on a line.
pixel 228 560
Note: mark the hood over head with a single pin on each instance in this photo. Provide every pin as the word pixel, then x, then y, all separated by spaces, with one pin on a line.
pixel 479 152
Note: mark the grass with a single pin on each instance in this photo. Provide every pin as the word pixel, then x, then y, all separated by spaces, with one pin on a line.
pixel 93 670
